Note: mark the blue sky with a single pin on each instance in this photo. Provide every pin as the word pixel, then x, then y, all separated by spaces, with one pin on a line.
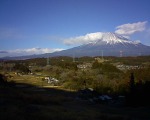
pixel 41 26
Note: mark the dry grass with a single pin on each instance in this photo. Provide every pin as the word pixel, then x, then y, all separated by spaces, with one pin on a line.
pixel 29 79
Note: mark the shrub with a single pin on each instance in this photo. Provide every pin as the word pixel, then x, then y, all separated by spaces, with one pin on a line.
pixel 3 80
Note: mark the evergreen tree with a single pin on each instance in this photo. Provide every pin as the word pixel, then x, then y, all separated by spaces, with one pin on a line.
pixel 132 83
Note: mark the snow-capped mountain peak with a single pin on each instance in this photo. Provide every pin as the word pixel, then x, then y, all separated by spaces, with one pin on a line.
pixel 113 38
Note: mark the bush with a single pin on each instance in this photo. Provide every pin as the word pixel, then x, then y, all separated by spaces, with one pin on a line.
pixel 21 68
pixel 3 80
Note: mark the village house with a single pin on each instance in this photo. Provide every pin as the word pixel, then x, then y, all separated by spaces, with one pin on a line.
pixel 128 67
pixel 51 80
pixel 84 66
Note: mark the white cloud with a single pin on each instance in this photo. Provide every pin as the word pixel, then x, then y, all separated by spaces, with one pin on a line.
pixel 125 30
pixel 131 28
pixel 30 51
pixel 34 51
pixel 91 37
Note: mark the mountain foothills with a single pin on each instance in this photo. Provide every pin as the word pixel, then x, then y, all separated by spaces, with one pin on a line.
pixel 107 44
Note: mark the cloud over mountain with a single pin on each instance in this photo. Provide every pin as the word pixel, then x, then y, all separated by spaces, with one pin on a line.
pixel 2 51
pixel 30 51
pixel 35 50
pixel 125 30
pixel 131 28
pixel 90 37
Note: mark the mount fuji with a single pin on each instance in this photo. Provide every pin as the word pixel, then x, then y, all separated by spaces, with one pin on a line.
pixel 108 44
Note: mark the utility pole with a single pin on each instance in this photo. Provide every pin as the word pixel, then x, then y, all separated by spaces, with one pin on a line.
pixel 121 53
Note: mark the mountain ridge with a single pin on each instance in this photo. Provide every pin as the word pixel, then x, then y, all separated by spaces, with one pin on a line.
pixel 113 38
pixel 111 44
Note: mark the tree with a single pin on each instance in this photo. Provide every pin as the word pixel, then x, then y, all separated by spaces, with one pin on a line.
pixel 3 80
pixel 132 81
pixel 21 68
pixel 96 65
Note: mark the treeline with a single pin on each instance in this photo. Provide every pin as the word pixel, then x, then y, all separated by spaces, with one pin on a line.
pixel 132 60
pixel 58 60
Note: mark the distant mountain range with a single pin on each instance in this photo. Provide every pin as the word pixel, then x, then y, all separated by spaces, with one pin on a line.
pixel 110 44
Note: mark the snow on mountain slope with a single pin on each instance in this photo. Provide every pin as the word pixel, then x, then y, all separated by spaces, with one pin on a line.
pixel 111 44
pixel 112 38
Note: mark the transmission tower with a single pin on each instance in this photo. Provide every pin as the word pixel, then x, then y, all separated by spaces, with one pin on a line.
pixel 48 61
pixel 121 53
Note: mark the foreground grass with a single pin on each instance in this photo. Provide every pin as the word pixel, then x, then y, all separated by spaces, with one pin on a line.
pixel 26 102
pixel 28 79
pixel 27 99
